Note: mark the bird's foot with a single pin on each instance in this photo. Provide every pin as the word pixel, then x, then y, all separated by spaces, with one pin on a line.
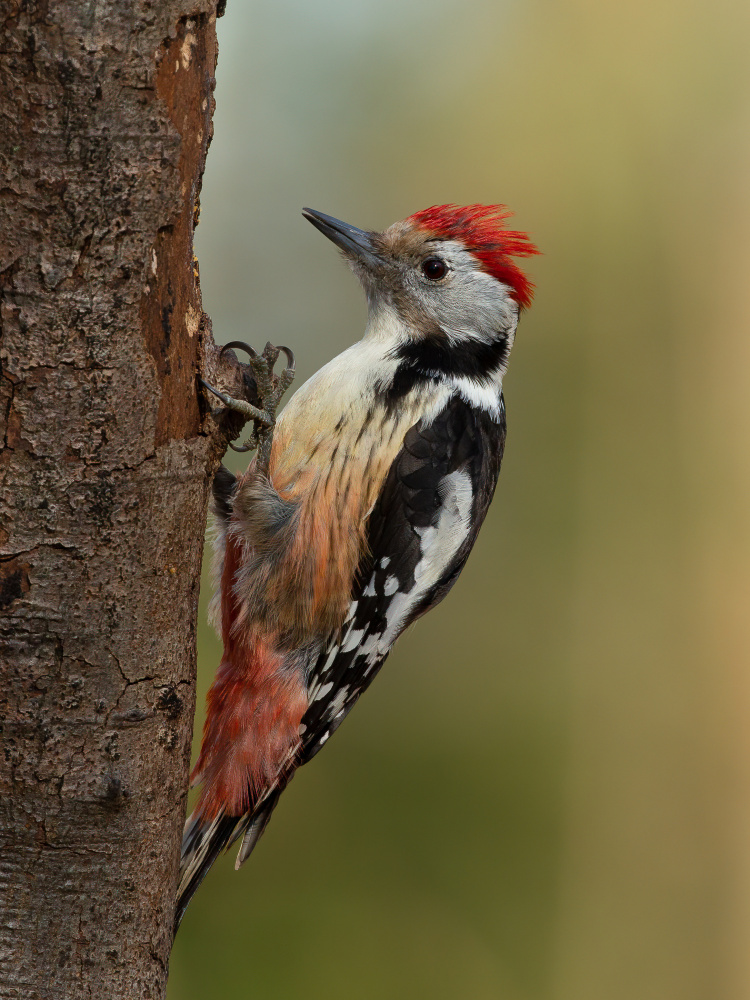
pixel 271 388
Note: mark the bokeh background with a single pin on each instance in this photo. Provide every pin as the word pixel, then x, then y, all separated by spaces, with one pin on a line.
pixel 546 794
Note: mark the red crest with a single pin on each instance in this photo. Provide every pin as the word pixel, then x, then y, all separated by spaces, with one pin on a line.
pixel 481 228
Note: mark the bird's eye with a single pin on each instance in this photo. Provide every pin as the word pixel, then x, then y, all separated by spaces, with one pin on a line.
pixel 434 268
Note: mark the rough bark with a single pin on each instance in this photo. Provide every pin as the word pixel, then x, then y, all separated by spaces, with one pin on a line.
pixel 107 455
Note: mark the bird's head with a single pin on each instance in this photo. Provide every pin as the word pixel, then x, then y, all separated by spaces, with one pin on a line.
pixel 446 272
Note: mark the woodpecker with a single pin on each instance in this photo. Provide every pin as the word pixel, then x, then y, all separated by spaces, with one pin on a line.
pixel 363 511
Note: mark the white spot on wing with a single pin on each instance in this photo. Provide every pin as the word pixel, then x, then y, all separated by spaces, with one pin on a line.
pixel 439 544
pixel 337 703
pixel 371 644
pixel 352 640
pixel 323 691
pixel 329 662
pixel 391 586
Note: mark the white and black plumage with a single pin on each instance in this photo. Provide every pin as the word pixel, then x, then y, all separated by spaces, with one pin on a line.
pixel 382 469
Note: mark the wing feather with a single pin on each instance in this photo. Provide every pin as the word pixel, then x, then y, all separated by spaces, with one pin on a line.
pixel 419 535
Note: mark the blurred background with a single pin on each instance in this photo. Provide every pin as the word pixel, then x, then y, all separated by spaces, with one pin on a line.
pixel 546 794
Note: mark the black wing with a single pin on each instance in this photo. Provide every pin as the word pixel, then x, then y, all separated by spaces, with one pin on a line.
pixel 420 533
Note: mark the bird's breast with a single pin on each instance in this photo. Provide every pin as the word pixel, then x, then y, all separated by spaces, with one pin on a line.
pixel 333 447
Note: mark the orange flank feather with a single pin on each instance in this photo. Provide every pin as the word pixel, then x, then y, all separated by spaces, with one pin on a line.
pixel 304 531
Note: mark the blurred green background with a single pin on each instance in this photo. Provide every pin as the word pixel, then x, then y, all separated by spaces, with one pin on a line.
pixel 546 794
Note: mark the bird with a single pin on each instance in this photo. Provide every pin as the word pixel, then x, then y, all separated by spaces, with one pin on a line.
pixel 360 509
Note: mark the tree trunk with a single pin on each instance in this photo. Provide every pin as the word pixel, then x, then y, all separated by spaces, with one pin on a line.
pixel 106 462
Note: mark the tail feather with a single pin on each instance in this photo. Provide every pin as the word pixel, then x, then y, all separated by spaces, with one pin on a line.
pixel 254 830
pixel 203 841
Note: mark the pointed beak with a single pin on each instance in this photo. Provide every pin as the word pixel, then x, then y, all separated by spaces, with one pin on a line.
pixel 355 243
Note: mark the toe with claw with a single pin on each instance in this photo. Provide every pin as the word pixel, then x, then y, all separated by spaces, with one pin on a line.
pixel 271 388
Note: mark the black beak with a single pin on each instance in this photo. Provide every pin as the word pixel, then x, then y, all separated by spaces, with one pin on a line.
pixel 356 243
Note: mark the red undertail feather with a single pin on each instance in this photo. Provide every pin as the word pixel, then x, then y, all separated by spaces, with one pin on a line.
pixel 481 228
pixel 255 707
pixel 254 710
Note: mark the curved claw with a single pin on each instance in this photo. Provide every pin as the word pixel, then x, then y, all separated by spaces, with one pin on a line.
pixel 270 389
pixel 207 385
pixel 241 345
pixel 289 357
